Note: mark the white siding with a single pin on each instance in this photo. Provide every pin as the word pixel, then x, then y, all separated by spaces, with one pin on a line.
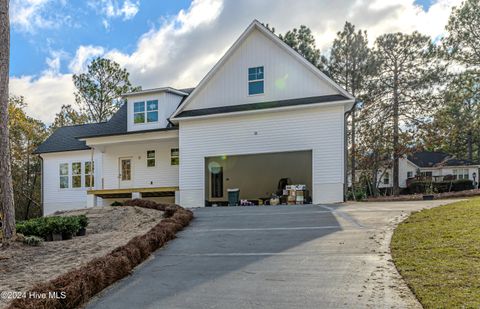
pixel 285 76
pixel 163 174
pixel 167 104
pixel 54 198
pixel 319 129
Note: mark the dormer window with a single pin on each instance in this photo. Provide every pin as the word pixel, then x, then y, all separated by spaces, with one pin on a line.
pixel 255 81
pixel 145 112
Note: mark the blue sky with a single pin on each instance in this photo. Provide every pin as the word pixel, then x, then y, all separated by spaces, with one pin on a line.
pixel 175 42
pixel 85 26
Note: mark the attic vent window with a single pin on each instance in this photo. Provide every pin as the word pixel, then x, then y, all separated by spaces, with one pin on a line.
pixel 255 81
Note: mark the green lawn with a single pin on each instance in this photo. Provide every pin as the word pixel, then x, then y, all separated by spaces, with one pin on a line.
pixel 437 251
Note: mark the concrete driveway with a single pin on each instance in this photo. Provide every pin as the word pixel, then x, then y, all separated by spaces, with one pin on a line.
pixel 323 256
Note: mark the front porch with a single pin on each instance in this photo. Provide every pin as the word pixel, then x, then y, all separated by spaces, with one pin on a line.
pixel 130 193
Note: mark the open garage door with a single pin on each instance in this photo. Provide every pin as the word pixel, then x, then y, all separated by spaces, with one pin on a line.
pixel 256 175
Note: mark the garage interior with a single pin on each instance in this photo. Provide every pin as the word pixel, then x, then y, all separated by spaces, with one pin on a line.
pixel 259 178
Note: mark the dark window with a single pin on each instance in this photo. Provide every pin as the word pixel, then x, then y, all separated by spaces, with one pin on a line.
pixel 255 81
pixel 217 182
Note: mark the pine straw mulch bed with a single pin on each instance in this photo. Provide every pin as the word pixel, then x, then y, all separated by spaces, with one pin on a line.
pixel 81 284
pixel 419 197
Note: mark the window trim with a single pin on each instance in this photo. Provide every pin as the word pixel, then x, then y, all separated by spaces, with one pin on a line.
pixel 151 159
pixel 255 80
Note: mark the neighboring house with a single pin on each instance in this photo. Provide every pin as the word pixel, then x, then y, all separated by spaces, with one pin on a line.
pixel 435 166
pixel 261 114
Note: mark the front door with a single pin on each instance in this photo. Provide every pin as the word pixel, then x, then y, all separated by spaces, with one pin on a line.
pixel 125 172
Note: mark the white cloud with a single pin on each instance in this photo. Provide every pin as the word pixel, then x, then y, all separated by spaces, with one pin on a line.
pixel 180 52
pixel 83 56
pixel 111 9
pixel 31 15
pixel 44 95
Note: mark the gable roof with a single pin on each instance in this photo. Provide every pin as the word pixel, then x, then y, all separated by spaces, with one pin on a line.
pixel 261 106
pixel 257 25
pixel 437 159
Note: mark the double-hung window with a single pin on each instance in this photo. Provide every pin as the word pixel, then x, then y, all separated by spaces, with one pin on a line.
pixel 76 175
pixel 256 81
pixel 152 111
pixel 139 112
pixel 151 158
pixel 64 176
pixel 145 111
pixel 89 174
pixel 174 156
pixel 386 179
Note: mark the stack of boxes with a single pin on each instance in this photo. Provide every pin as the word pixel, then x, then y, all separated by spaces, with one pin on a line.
pixel 295 194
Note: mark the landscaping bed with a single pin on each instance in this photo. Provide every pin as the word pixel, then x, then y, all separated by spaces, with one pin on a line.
pixel 77 266
pixel 437 251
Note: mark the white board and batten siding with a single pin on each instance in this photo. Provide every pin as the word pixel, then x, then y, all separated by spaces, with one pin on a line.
pixel 285 77
pixel 55 198
pixel 319 129
pixel 163 174
pixel 167 104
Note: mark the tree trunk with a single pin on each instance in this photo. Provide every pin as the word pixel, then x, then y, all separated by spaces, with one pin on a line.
pixel 6 188
pixel 396 152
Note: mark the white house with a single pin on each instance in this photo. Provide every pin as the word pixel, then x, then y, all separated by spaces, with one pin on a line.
pixel 436 166
pixel 262 113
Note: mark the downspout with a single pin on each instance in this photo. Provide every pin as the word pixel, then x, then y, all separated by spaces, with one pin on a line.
pixel 345 151
pixel 41 185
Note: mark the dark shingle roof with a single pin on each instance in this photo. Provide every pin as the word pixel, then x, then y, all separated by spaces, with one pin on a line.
pixel 435 159
pixel 66 138
pixel 261 105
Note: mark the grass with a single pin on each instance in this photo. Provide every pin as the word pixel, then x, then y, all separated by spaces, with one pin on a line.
pixel 437 251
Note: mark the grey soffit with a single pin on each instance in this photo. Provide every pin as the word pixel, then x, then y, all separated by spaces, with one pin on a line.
pixel 261 105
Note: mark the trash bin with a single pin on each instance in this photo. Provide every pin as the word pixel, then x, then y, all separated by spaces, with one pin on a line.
pixel 233 197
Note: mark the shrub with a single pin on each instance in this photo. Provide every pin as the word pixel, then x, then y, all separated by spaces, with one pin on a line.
pixel 440 187
pixel 116 203
pixel 33 241
pixel 82 221
pixel 45 226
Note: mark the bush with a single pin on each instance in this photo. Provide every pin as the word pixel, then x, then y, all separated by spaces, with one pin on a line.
pixel 33 241
pixel 421 186
pixel 357 195
pixel 45 226
pixel 116 203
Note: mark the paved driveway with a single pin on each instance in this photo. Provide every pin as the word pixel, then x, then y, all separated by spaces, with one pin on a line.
pixel 274 257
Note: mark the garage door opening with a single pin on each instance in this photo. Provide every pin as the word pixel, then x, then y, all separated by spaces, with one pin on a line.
pixel 257 176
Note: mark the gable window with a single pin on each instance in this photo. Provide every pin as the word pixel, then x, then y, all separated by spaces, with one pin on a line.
pixel 89 173
pixel 152 111
pixel 386 179
pixel 255 81
pixel 76 175
pixel 174 156
pixel 151 158
pixel 139 112
pixel 64 176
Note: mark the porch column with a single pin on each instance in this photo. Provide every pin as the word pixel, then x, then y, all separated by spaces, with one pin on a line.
pixel 91 200
pixel 136 195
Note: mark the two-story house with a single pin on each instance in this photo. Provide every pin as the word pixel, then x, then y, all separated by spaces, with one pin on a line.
pixel 261 114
